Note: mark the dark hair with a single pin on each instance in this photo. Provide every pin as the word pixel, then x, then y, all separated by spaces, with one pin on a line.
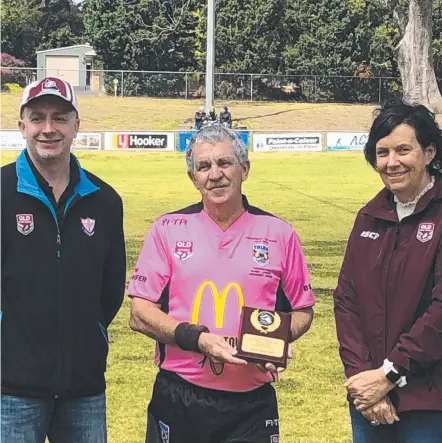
pixel 418 117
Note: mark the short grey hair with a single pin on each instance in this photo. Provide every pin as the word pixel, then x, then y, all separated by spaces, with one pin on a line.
pixel 216 134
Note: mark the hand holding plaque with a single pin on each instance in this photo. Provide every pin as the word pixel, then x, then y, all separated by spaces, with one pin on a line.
pixel 264 336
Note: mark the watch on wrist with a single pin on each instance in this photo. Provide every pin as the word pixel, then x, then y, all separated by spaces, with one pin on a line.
pixel 393 375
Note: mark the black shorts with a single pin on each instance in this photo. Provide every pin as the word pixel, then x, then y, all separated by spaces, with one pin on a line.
pixel 180 412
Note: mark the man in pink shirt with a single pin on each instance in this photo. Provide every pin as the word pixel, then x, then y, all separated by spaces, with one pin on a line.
pixel 198 267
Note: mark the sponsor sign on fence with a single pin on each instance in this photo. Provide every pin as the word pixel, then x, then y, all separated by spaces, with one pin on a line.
pixel 183 140
pixel 149 141
pixel 12 140
pixel 87 140
pixel 346 141
pixel 165 141
pixel 184 137
pixel 294 141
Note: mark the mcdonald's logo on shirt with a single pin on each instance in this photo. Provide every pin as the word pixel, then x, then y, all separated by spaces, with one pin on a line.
pixel 219 301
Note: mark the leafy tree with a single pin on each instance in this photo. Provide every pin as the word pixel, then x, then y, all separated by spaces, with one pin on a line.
pixel 150 35
pixel 415 52
pixel 356 39
pixel 61 24
pixel 249 36
pixel 20 31
pixel 31 25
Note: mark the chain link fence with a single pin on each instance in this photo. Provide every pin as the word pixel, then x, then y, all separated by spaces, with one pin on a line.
pixel 228 86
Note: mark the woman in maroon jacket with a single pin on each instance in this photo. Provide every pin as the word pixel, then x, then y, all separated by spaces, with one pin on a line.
pixel 388 302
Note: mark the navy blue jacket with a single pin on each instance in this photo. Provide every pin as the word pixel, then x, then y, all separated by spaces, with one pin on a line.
pixel 62 284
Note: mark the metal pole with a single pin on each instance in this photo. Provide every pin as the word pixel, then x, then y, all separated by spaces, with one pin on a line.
pixel 210 56
pixel 380 90
pixel 316 91
pixel 122 83
pixel 251 87
pixel 187 88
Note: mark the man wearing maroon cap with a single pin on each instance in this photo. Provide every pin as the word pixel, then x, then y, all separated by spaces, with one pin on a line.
pixel 63 276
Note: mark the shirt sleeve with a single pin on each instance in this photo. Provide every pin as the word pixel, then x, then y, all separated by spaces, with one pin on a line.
pixel 152 271
pixel 295 276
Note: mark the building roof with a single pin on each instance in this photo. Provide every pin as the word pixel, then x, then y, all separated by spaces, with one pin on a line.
pixel 91 49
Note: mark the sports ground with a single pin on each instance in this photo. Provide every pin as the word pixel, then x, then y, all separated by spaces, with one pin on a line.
pixel 319 193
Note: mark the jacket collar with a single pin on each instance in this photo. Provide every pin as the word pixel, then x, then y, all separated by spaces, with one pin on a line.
pixel 383 206
pixel 27 183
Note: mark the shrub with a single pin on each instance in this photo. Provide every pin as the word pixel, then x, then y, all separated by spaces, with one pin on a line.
pixel 9 75
pixel 12 88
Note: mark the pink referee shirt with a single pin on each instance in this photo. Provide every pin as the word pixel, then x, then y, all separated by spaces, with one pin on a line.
pixel 204 275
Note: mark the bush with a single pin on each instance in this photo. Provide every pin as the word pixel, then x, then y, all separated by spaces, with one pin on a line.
pixel 12 88
pixel 9 75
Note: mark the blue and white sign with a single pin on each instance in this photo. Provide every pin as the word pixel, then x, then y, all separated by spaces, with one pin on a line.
pixel 183 140
pixel 185 136
pixel 346 141
pixel 287 141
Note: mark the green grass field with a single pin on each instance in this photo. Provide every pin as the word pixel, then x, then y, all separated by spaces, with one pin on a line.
pixel 319 193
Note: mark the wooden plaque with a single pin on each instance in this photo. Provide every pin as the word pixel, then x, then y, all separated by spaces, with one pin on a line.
pixel 264 336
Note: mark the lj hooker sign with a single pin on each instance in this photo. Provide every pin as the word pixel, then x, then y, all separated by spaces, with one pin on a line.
pixel 149 141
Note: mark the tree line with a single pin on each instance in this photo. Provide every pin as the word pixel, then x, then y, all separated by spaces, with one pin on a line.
pixel 355 38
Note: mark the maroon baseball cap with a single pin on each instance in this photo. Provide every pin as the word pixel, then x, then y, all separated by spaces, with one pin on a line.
pixel 49 86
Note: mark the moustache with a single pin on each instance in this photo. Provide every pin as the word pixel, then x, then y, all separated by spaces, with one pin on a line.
pixel 217 185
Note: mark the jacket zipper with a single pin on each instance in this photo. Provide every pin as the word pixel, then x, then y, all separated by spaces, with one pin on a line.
pixel 59 295
pixel 395 245
pixel 58 309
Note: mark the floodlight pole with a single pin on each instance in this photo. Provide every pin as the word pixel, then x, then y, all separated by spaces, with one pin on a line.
pixel 210 54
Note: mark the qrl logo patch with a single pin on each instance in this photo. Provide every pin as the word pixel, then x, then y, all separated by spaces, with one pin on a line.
pixel 88 225
pixel 425 232
pixel 165 432
pixel 183 250
pixel 25 223
pixel 261 254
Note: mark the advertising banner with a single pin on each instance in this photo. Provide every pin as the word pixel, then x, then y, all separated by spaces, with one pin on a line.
pixel 183 139
pixel 185 136
pixel 87 140
pixel 346 141
pixel 12 140
pixel 283 141
pixel 140 140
